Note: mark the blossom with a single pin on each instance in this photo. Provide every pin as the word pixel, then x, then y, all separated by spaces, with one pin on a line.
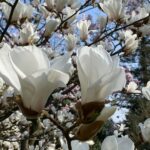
pixel 99 74
pixel 75 144
pixel 50 4
pixel 27 34
pixel 67 13
pixel 21 11
pixel 60 4
pixel 132 87
pixel 83 26
pixel 71 41
pixel 51 25
pixel 27 70
pixel 117 143
pixel 146 91
pixel 114 9
pixel 102 21
pixel 145 130
pixel 74 4
pixel 130 39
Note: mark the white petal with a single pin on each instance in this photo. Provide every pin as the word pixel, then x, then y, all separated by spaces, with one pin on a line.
pixel 109 143
pixel 146 92
pixel 58 78
pixel 62 63
pixel 6 70
pixel 125 143
pixel 106 113
pixel 22 57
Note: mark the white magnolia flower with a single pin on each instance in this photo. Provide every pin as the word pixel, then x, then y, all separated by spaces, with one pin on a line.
pixel 21 11
pixel 146 91
pixel 117 143
pixel 36 2
pixel 44 11
pixel 132 87
pixel 83 26
pixel 102 21
pixel 145 129
pixel 67 13
pixel 142 13
pixel 75 144
pixel 114 9
pixel 27 34
pixel 99 74
pixel 51 25
pixel 63 63
pixel 50 4
pixel 74 3
pixel 71 40
pixel 27 69
pixel 131 42
pixel 60 4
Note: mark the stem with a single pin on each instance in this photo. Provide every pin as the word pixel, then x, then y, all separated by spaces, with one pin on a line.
pixel 63 130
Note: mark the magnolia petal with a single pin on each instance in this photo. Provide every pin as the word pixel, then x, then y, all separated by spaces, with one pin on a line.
pixel 92 61
pixel 113 81
pixel 58 78
pixel 106 113
pixel 125 143
pixel 62 63
pixel 21 57
pixel 146 92
pixel 89 60
pixel 109 143
pixel 75 144
pixel 7 72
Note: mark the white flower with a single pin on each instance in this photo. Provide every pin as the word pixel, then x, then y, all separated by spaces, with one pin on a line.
pixel 27 34
pixel 146 91
pixel 50 4
pixel 83 26
pixel 145 129
pixel 75 144
pixel 21 11
pixel 63 63
pixel 51 25
pixel 99 74
pixel 60 4
pixel 131 42
pixel 116 143
pixel 71 40
pixel 44 11
pixel 114 9
pixel 74 3
pixel 67 13
pixel 27 70
pixel 102 21
pixel 132 87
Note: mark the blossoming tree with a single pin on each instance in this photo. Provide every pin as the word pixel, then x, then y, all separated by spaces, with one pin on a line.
pixel 61 71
